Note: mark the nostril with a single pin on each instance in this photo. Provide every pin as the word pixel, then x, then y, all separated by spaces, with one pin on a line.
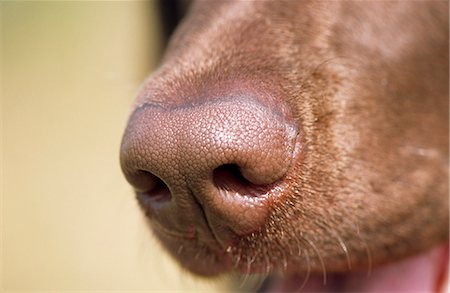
pixel 229 178
pixel 153 189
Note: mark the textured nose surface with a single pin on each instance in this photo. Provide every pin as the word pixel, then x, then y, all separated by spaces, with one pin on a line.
pixel 224 156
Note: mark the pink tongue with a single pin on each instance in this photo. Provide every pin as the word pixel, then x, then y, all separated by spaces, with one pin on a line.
pixel 423 273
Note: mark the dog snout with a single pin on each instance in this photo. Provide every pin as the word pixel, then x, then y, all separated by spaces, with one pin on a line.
pixel 226 158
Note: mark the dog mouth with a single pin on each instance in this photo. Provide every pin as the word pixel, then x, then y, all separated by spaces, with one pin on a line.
pixel 427 272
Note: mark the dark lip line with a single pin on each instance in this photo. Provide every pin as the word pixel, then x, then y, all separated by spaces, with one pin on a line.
pixel 166 231
pixel 179 235
pixel 213 245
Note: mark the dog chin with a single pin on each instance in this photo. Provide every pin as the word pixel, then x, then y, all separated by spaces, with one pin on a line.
pixel 426 272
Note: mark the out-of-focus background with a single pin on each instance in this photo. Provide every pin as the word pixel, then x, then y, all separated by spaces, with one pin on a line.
pixel 69 221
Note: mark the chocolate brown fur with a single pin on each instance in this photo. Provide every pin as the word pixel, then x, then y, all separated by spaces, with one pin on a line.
pixel 367 83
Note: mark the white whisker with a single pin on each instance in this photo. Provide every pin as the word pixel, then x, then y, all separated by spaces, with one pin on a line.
pixel 324 271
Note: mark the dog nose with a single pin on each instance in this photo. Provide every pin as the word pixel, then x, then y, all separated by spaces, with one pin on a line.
pixel 220 162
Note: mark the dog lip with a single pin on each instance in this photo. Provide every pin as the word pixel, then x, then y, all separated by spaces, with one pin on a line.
pixel 189 234
pixel 427 272
pixel 192 252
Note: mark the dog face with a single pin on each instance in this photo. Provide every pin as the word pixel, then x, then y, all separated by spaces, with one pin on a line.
pixel 296 136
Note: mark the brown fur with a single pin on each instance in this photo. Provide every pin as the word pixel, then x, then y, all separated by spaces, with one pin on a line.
pixel 367 83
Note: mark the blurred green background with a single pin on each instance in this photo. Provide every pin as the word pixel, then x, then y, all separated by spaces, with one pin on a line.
pixel 69 221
